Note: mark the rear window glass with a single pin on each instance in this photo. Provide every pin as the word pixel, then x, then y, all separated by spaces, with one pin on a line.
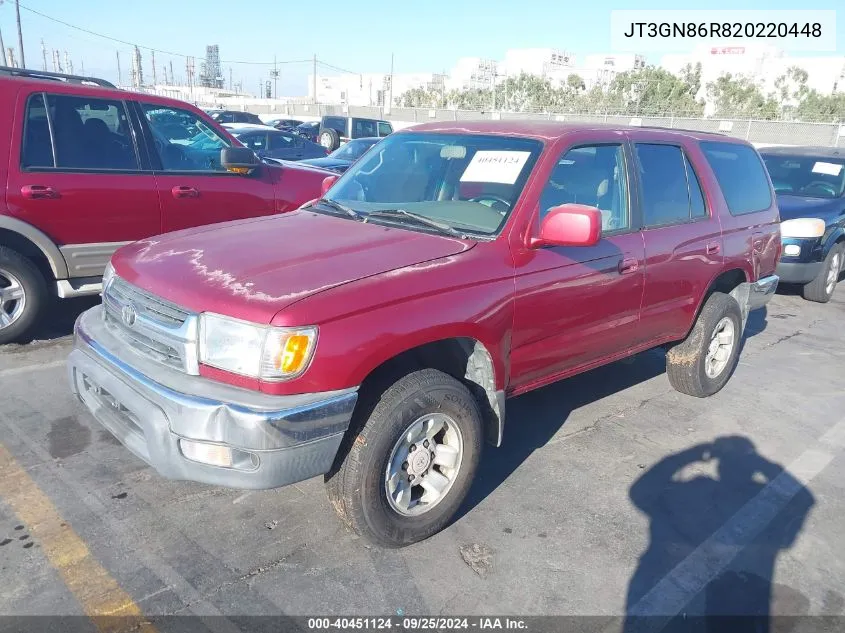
pixel 741 176
pixel 335 123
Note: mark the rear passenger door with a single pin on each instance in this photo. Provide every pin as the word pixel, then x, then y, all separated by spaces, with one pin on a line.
pixel 76 173
pixel 683 238
pixel 193 187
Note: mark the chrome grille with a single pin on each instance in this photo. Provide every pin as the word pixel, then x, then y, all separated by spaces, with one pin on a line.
pixel 152 326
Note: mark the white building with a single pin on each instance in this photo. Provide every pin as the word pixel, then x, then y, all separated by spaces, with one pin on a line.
pixel 544 62
pixel 370 89
pixel 473 72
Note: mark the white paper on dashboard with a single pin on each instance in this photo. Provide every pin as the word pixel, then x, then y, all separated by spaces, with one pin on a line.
pixel 830 169
pixel 495 166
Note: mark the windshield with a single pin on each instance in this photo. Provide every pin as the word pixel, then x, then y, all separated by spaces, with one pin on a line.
pixel 468 182
pixel 813 177
pixel 353 149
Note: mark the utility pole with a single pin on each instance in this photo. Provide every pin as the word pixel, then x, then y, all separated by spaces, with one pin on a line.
pixel 315 78
pixel 44 55
pixel 2 50
pixel 153 59
pixel 172 80
pixel 119 77
pixel 11 52
pixel 20 33
pixel 390 105
pixel 275 79
pixel 68 64
pixel 231 85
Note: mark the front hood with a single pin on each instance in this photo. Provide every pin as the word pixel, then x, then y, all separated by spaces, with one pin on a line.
pixel 252 269
pixel 792 207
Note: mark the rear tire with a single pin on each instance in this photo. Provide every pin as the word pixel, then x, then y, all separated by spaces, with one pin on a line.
pixel 380 460
pixel 703 362
pixel 821 289
pixel 23 296
pixel 329 139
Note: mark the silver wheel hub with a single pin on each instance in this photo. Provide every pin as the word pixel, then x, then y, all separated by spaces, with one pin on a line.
pixel 833 273
pixel 721 346
pixel 12 298
pixel 423 465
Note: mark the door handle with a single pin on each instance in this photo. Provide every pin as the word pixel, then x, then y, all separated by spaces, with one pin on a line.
pixel 182 191
pixel 713 248
pixel 628 265
pixel 38 192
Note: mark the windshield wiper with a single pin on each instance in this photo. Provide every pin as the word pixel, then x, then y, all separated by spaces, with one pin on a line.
pixel 420 219
pixel 341 207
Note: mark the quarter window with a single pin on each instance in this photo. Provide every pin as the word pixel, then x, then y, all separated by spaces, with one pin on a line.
pixel 593 175
pixel 671 193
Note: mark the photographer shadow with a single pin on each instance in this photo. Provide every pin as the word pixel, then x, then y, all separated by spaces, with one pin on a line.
pixel 720 514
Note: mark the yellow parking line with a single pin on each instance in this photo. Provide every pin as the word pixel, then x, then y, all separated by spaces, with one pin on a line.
pixel 109 606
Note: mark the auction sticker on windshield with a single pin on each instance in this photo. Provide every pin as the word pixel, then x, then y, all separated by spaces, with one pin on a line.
pixel 495 166
pixel 829 169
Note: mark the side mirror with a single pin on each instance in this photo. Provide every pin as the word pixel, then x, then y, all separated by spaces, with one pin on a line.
pixel 239 160
pixel 569 225
pixel 328 182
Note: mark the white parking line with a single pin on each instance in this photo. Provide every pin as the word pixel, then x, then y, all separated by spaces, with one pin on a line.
pixel 675 590
pixel 14 371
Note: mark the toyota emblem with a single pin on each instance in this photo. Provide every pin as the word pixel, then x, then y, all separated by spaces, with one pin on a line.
pixel 128 315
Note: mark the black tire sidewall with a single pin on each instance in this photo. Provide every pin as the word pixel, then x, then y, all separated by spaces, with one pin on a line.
pixel 387 525
pixel 726 306
pixel 35 290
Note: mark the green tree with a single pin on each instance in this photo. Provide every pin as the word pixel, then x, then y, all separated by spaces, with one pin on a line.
pixel 655 91
pixel 739 97
pixel 822 108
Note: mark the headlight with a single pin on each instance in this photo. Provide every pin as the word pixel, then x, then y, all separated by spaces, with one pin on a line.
pixel 108 273
pixel 802 227
pixel 258 351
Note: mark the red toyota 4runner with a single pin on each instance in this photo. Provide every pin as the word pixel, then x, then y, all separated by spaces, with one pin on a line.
pixel 374 335
pixel 87 168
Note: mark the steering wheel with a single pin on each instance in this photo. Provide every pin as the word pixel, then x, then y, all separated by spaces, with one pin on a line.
pixel 820 184
pixel 492 198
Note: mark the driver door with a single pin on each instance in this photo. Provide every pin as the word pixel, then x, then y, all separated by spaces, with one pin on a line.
pixel 193 188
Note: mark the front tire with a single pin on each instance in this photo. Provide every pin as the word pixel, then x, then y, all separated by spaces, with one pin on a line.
pixel 821 289
pixel 329 139
pixel 404 472
pixel 23 296
pixel 703 362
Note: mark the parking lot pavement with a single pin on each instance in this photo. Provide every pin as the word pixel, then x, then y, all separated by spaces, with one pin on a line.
pixel 612 492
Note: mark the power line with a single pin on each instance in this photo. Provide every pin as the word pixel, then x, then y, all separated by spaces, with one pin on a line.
pixel 338 68
pixel 159 50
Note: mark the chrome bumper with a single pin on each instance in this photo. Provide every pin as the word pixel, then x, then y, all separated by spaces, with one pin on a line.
pixel 761 291
pixel 275 440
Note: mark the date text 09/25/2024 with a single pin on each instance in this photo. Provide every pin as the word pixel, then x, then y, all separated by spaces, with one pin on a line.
pixel 416 623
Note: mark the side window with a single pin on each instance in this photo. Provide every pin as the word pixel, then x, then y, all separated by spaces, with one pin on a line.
pixel 283 141
pixel 741 176
pixel 362 128
pixel 665 196
pixel 384 129
pixel 697 207
pixel 593 175
pixel 255 142
pixel 184 141
pixel 88 133
pixel 37 148
pixel 338 124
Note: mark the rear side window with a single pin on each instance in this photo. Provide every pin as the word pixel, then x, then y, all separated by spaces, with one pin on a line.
pixel 255 142
pixel 87 133
pixel 741 176
pixel 336 123
pixel 384 129
pixel 670 190
pixel 362 128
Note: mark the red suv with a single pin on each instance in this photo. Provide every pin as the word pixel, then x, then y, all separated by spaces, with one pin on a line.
pixel 87 168
pixel 454 266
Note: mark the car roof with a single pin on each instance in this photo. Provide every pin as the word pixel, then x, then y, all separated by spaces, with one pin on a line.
pixel 549 130
pixel 804 150
pixel 246 127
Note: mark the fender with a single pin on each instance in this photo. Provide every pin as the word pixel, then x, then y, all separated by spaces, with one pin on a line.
pixel 836 235
pixel 41 240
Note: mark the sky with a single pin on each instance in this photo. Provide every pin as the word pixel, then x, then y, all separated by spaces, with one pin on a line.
pixel 354 36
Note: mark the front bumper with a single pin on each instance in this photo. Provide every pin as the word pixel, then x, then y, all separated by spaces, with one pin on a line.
pixel 276 440
pixel 798 272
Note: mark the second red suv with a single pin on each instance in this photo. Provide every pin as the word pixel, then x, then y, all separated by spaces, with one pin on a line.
pixel 87 167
